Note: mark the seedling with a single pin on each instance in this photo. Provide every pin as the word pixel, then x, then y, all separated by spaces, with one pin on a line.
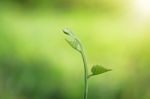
pixel 75 43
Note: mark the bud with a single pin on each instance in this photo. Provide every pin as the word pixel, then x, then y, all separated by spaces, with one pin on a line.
pixel 67 31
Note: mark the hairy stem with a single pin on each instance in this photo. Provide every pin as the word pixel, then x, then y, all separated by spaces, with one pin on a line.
pixel 85 75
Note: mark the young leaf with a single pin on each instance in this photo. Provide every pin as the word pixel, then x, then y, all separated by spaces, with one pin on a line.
pixel 68 32
pixel 72 40
pixel 98 69
pixel 74 44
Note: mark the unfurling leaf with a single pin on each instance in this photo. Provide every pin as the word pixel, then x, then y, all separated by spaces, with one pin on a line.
pixel 68 32
pixel 74 44
pixel 72 40
pixel 98 69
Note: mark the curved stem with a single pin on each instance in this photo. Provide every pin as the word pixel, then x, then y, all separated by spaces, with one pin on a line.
pixel 85 75
pixel 78 46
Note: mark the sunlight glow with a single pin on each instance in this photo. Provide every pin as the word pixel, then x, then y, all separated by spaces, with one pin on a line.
pixel 143 7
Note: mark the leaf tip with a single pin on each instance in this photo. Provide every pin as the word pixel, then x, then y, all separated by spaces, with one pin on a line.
pixel 66 31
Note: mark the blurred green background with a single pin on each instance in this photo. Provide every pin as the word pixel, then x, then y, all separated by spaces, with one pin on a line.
pixel 37 63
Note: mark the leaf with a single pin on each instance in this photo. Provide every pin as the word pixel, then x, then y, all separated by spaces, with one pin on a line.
pixel 68 32
pixel 98 69
pixel 74 44
pixel 72 40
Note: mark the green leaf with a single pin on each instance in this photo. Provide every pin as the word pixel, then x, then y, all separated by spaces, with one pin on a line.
pixel 98 69
pixel 74 44
pixel 72 40
pixel 68 32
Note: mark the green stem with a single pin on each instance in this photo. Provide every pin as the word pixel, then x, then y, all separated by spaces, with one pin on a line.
pixel 85 75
